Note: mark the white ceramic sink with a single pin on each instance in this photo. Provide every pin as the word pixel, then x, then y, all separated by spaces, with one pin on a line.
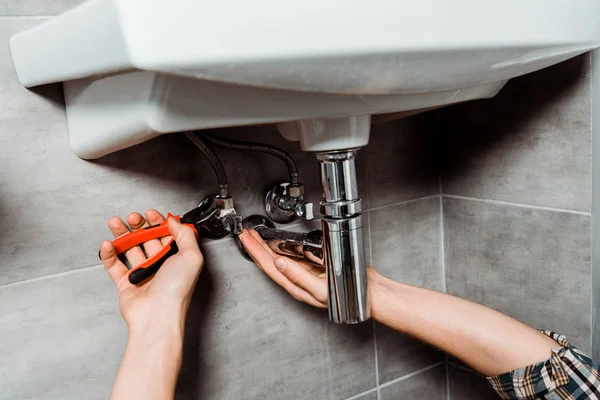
pixel 135 69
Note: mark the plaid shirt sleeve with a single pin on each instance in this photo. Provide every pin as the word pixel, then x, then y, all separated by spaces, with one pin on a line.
pixel 567 375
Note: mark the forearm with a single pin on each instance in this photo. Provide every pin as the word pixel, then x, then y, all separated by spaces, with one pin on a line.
pixel 151 362
pixel 486 340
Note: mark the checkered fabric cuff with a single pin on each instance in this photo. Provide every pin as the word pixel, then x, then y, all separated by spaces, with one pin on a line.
pixel 567 375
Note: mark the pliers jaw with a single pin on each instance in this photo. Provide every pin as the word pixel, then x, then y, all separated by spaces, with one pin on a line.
pixel 215 217
pixel 231 221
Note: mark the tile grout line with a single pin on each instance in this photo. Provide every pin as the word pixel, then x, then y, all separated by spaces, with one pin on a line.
pixel 212 242
pixel 83 269
pixel 462 367
pixel 358 396
pixel 412 374
pixel 40 278
pixel 373 322
pixel 432 196
pixel 26 16
pixel 522 205
pixel 442 239
pixel 591 87
pixel 444 283
pixel 376 361
pixel 594 227
pixel 447 367
pixel 365 160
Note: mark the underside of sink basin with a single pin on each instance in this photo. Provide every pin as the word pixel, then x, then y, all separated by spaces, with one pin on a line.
pixel 122 110
pixel 133 70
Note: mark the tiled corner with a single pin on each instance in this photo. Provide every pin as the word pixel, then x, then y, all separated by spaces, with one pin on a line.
pixel 55 203
pixel 400 161
pixel 247 338
pixel 530 144
pixel 427 385
pixel 467 385
pixel 35 7
pixel 62 337
pixel 405 246
pixel 531 264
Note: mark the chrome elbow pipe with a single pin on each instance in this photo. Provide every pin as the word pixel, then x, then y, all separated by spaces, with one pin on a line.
pixel 308 246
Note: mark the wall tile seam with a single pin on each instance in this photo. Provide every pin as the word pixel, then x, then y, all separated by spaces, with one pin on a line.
pixel 358 396
pixel 412 374
pixel 443 272
pixel 207 243
pixel 373 322
pixel 85 269
pixel 594 324
pixel 442 239
pixel 26 16
pixel 403 202
pixel 57 274
pixel 447 372
pixel 462 367
pixel 515 204
pixel 593 271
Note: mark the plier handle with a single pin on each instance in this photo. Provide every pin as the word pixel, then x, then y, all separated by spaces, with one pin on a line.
pixel 203 221
pixel 141 272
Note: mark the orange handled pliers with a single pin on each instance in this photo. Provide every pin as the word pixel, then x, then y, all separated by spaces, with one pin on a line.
pixel 200 219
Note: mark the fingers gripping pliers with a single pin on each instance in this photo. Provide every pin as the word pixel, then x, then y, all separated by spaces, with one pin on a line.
pixel 214 218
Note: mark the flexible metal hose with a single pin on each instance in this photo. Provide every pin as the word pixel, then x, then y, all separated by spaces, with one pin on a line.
pixel 214 161
pixel 263 148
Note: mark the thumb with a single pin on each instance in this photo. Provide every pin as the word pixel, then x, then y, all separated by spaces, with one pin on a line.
pixel 184 236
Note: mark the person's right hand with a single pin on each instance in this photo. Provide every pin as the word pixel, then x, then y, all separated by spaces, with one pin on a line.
pixel 163 299
pixel 303 281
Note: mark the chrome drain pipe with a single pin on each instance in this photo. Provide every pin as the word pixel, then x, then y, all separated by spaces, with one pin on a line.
pixel 343 240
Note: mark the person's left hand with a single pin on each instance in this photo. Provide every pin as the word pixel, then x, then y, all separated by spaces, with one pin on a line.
pixel 304 281
pixel 165 297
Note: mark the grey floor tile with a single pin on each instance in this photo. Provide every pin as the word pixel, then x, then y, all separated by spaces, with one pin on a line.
pixel 62 337
pixel 35 7
pixel 530 144
pixel 55 204
pixel 428 385
pixel 406 247
pixel 531 264
pixel 467 385
pixel 400 161
pixel 247 338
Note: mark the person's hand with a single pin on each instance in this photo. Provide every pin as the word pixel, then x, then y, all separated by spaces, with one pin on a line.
pixel 303 281
pixel 167 294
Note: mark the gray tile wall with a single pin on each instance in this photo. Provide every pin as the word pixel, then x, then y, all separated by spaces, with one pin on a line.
pixel 516 184
pixel 596 206
pixel 531 144
pixel 62 335
pixel 517 218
